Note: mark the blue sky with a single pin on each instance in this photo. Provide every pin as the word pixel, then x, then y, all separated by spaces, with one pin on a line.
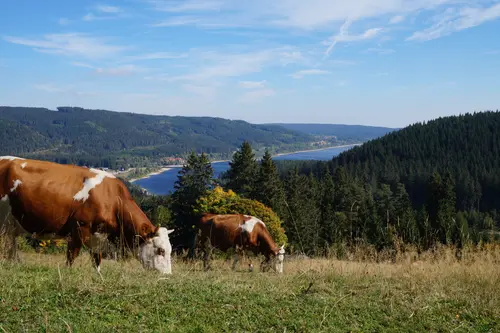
pixel 372 62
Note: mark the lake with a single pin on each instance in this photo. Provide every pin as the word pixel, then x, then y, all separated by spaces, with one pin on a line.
pixel 164 183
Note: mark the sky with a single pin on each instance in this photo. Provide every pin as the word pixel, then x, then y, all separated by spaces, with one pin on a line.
pixel 370 62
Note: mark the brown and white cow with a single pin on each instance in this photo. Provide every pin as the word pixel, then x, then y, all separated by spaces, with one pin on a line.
pixel 50 200
pixel 241 233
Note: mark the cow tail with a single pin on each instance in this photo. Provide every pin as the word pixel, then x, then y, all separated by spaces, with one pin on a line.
pixel 4 175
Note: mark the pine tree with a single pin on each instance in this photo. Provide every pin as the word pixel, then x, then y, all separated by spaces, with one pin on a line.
pixel 243 171
pixel 194 181
pixel 268 188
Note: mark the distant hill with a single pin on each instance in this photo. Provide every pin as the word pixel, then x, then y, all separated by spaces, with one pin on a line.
pixel 352 133
pixel 106 138
pixel 467 146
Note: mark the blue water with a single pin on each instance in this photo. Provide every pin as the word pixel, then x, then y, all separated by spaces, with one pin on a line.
pixel 164 182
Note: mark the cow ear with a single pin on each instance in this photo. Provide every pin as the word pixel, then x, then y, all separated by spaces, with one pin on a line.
pixel 157 229
pixel 283 246
pixel 170 231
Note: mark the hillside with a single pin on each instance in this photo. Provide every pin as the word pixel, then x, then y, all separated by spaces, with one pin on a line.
pixel 467 146
pixel 349 133
pixel 106 138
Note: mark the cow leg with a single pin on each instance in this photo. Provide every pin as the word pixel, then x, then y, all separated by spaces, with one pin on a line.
pixel 13 253
pixel 235 258
pixel 73 251
pixel 207 249
pixel 78 238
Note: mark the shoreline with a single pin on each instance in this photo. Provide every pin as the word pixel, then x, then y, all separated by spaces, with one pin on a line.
pixel 169 167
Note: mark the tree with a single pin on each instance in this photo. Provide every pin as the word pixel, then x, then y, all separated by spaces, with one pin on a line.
pixel 195 179
pixel 243 171
pixel 268 188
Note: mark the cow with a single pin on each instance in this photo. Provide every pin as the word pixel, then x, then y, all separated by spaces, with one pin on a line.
pixel 87 206
pixel 241 233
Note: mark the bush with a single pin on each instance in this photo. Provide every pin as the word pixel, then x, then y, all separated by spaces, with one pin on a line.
pixel 219 201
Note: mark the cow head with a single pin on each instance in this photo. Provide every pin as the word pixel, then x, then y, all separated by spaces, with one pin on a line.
pixel 280 257
pixel 155 252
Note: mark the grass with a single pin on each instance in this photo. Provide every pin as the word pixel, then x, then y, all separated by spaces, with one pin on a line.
pixel 437 294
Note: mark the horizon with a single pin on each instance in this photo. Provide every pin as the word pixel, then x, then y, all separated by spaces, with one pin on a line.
pixel 377 63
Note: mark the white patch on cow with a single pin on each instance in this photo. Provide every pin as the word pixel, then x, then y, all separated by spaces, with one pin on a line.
pixel 5 198
pixel 24 165
pixel 17 182
pixel 156 252
pixel 281 258
pixel 250 224
pixel 10 158
pixel 90 183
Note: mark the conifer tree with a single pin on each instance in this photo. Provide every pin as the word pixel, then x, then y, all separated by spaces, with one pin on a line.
pixel 268 188
pixel 194 180
pixel 242 171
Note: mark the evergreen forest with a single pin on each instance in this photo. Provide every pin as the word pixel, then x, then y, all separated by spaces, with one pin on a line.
pixel 428 184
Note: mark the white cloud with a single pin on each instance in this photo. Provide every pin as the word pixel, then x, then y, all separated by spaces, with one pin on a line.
pixel 49 87
pixel 397 19
pixel 64 21
pixel 177 21
pixel 379 50
pixel 343 36
pixel 120 70
pixel 70 44
pixel 456 20
pixel 81 64
pixel 252 84
pixel 186 5
pixel 202 90
pixel 209 65
pixel 154 56
pixel 108 9
pixel 302 73
pixel 62 89
pixel 255 96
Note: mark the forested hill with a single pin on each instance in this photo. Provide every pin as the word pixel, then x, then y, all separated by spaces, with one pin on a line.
pixel 105 138
pixel 466 146
pixel 355 133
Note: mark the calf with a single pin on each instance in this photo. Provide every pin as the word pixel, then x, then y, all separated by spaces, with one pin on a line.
pixel 240 232
pixel 88 206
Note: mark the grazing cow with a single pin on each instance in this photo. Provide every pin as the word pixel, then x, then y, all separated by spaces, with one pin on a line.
pixel 240 232
pixel 50 200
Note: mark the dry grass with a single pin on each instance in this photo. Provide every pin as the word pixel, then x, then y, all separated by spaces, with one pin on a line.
pixel 434 294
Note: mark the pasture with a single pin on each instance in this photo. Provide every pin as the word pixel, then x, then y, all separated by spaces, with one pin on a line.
pixel 434 294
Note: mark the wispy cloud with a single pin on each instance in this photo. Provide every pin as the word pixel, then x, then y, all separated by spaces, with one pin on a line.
pixel 119 71
pixel 64 21
pixel 379 50
pixel 255 96
pixel 59 89
pixel 81 64
pixel 104 12
pixel 210 65
pixel 70 44
pixel 305 72
pixel 186 5
pixel 453 21
pixel 49 87
pixel 397 19
pixel 252 84
pixel 154 56
pixel 108 9
pixel 176 21
pixel 205 91
pixel 343 36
